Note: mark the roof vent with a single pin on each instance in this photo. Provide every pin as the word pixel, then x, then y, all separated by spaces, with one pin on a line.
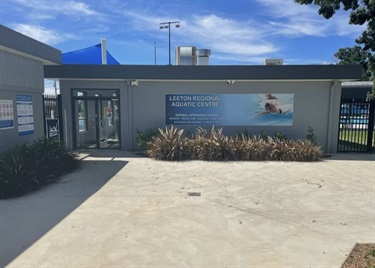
pixel 204 56
pixel 273 62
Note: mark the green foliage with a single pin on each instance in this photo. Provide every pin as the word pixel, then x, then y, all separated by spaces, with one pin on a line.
pixel 263 135
pixel 214 146
pixel 371 94
pixel 311 137
pixel 29 166
pixel 371 252
pixel 357 56
pixel 280 136
pixel 244 135
pixel 146 136
pixel 362 12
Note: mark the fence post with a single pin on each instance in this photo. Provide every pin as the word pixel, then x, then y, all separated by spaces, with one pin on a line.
pixel 61 119
pixel 44 115
pixel 370 129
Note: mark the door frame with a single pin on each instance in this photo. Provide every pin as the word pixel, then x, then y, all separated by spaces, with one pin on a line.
pixel 97 100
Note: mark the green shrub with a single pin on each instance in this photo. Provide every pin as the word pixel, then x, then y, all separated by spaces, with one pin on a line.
pixel 146 136
pixel 311 136
pixel 263 135
pixel 214 146
pixel 244 135
pixel 280 136
pixel 27 167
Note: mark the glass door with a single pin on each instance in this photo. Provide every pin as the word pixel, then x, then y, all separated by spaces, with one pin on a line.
pixel 108 123
pixel 97 120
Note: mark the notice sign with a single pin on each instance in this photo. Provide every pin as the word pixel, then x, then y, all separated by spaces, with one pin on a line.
pixel 53 128
pixel 229 109
pixel 6 114
pixel 25 115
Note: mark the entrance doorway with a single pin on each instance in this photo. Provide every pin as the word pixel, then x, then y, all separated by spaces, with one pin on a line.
pixel 96 117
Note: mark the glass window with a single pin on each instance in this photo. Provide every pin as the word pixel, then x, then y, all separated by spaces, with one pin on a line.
pixel 82 113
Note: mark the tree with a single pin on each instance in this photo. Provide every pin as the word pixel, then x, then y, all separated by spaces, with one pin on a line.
pixel 363 11
pixel 356 55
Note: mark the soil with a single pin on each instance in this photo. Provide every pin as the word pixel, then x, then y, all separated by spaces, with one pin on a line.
pixel 362 256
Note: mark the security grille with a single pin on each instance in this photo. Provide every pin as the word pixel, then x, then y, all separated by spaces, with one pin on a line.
pixel 356 126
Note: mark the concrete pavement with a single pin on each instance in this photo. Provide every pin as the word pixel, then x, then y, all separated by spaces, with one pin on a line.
pixel 121 210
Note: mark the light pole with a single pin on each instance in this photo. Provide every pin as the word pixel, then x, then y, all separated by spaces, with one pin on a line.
pixel 167 25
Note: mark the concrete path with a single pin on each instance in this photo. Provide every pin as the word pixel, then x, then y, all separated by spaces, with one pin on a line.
pixel 120 210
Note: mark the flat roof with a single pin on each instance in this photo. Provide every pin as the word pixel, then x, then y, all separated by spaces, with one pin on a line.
pixel 210 72
pixel 17 43
pixel 358 84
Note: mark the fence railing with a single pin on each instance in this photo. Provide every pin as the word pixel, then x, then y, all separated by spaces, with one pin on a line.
pixel 52 109
pixel 356 126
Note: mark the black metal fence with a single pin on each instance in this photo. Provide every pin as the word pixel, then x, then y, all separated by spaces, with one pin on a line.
pixel 356 126
pixel 53 126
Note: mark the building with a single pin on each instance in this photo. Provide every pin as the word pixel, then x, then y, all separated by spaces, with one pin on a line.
pixel 105 105
pixel 21 87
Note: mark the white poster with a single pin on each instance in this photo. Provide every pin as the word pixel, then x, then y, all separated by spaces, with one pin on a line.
pixel 25 115
pixel 6 114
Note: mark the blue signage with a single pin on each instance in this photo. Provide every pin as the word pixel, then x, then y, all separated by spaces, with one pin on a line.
pixel 26 98
pixel 25 115
pixel 229 109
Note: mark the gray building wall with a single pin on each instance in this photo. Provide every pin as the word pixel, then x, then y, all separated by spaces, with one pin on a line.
pixel 312 106
pixel 316 105
pixel 22 61
pixel 20 72
pixel 21 76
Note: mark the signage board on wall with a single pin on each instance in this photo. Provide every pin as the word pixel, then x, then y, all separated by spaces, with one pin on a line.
pixel 25 115
pixel 229 109
pixel 6 114
pixel 52 128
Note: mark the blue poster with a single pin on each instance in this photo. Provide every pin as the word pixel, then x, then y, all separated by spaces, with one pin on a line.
pixel 229 109
pixel 25 115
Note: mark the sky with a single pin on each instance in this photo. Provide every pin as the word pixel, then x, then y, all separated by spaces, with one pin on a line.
pixel 238 32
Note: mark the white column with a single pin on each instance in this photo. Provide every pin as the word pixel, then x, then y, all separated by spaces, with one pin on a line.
pixel 104 51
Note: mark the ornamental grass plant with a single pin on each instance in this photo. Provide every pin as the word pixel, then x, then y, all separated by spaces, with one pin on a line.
pixel 168 145
pixel 172 144
pixel 27 167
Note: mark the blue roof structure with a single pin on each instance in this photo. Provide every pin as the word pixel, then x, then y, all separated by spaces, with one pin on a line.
pixel 89 55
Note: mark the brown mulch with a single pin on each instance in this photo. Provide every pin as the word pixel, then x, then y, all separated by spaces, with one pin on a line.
pixel 362 256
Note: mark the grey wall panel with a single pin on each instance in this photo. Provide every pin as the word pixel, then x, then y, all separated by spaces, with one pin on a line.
pixel 311 104
pixel 143 106
pixel 31 47
pixel 20 72
pixel 10 137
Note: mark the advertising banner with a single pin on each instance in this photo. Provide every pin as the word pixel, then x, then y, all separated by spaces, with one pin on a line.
pixel 6 114
pixel 25 115
pixel 229 109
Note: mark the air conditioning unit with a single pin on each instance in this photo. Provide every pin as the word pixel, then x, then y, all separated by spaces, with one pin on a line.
pixel 186 56
pixel 273 62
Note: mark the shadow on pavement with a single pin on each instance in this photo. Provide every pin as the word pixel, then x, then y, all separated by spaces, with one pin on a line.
pixel 26 219
pixel 109 154
pixel 352 157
